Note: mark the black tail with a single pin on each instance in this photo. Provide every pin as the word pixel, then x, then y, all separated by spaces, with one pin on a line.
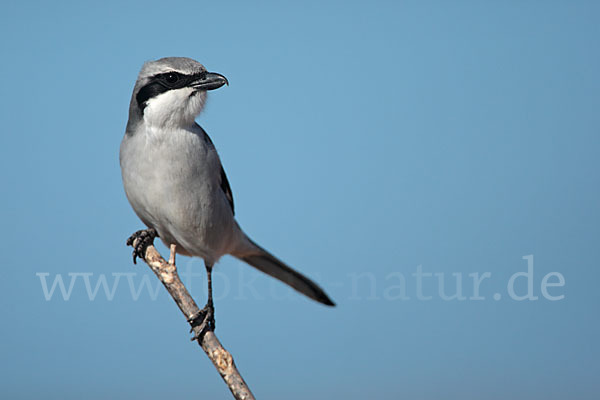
pixel 269 264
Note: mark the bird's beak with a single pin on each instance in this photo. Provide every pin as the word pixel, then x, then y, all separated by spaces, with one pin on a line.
pixel 210 81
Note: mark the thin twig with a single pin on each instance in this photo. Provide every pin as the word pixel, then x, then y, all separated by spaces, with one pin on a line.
pixel 223 361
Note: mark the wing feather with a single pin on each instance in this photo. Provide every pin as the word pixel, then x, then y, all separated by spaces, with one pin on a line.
pixel 225 187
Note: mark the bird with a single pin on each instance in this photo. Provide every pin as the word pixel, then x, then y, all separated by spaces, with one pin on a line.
pixel 176 184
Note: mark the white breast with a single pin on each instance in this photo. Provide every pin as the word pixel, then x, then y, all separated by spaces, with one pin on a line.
pixel 172 180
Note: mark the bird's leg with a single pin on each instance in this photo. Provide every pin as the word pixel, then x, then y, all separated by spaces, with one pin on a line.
pixel 140 241
pixel 204 320
pixel 173 251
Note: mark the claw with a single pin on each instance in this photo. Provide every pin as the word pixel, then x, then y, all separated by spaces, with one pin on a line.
pixel 140 241
pixel 202 322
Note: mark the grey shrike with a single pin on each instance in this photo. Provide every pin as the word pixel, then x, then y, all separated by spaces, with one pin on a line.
pixel 176 184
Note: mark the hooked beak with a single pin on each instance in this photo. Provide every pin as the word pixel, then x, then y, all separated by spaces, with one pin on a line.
pixel 210 81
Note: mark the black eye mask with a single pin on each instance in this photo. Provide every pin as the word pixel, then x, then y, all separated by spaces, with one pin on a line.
pixel 162 83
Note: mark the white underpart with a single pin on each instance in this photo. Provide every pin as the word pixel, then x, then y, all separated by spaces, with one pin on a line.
pixel 174 108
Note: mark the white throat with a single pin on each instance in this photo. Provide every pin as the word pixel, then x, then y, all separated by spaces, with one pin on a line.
pixel 174 108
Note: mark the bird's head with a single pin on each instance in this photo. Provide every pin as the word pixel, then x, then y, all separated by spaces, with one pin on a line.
pixel 171 91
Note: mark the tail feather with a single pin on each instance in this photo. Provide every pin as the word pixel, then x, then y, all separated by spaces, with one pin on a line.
pixel 269 264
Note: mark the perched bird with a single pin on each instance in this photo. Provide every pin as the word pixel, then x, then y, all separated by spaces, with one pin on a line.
pixel 176 184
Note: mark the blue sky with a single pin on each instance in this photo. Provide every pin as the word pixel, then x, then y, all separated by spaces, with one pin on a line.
pixel 364 142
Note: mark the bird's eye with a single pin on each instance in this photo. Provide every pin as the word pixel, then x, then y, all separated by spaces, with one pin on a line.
pixel 171 77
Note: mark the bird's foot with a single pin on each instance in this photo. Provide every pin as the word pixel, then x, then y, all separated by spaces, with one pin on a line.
pixel 140 241
pixel 202 322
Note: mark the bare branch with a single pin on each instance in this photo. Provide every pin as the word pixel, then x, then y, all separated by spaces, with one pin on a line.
pixel 223 361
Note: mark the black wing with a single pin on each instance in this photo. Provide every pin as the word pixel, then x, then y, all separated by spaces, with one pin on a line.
pixel 227 189
pixel 224 182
